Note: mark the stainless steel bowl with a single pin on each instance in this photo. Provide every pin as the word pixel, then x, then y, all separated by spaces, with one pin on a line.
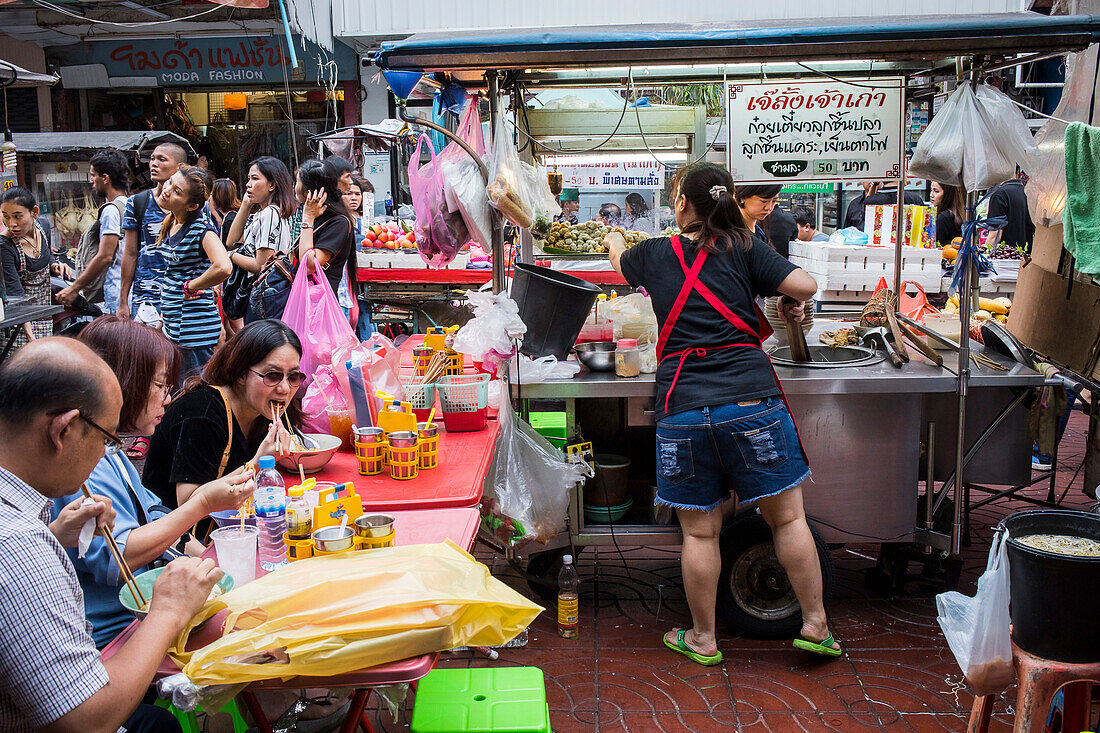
pixel 370 435
pixel 424 430
pixel 374 525
pixel 334 539
pixel 402 439
pixel 598 356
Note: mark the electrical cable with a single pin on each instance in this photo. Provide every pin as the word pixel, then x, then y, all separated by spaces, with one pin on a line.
pixel 638 114
pixel 138 24
pixel 858 534
pixel 1021 105
pixel 622 115
pixel 843 81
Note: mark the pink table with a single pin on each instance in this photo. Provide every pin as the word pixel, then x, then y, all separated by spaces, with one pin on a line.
pixel 411 528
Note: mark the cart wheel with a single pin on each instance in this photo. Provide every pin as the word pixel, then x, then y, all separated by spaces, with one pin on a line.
pixel 542 572
pixel 754 596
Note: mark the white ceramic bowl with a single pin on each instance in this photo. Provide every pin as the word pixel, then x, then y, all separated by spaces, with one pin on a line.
pixel 312 460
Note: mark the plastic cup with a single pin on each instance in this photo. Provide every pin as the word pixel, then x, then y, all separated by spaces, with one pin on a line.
pixel 236 548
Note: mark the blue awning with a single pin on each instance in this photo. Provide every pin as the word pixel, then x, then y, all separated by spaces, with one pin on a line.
pixel 895 38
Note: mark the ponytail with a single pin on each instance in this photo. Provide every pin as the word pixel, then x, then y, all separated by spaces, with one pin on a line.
pixel 720 222
pixel 199 183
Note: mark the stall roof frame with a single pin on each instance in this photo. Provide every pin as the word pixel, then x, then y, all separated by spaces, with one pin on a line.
pixel 71 142
pixel 896 43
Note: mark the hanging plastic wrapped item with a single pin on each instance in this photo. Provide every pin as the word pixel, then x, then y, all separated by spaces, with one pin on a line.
pixel 440 231
pixel 490 336
pixel 336 614
pixel 463 184
pixel 976 141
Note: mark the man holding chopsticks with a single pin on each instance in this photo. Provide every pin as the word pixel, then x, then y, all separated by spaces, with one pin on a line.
pixel 59 409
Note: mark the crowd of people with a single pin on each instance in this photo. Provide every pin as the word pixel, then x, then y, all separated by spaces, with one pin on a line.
pixel 190 256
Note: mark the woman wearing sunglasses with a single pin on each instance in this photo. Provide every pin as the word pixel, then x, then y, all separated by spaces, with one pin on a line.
pixel 224 419
pixel 146 363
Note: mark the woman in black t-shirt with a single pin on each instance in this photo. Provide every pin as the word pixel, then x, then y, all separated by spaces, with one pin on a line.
pixel 247 377
pixel 948 201
pixel 721 417
pixel 327 228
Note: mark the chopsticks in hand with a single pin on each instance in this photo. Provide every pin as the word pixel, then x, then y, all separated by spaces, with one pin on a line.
pixel 109 538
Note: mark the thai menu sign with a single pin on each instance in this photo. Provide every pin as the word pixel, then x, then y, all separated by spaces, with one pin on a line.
pixel 816 130
pixel 616 175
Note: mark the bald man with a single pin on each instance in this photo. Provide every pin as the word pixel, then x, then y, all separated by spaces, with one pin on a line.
pixel 59 410
pixel 143 263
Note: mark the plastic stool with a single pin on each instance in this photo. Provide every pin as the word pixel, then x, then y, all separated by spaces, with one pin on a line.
pixel 482 700
pixel 189 722
pixel 1038 680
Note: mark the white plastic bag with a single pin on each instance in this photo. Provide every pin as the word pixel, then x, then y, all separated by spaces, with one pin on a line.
pixel 507 188
pixel 524 370
pixel 490 336
pixel 975 141
pixel 977 629
pixel 463 184
pixel 527 486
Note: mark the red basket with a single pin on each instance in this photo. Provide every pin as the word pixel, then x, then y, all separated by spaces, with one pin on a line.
pixel 465 422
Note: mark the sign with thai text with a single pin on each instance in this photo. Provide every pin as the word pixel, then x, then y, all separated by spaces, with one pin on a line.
pixel 233 60
pixel 819 130
pixel 617 175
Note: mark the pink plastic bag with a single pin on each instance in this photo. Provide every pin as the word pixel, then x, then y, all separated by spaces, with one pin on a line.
pixel 463 184
pixel 378 362
pixel 440 230
pixel 313 313
pixel 323 396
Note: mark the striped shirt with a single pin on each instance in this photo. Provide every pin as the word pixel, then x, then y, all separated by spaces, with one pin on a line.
pixel 267 230
pixel 188 323
pixel 48 662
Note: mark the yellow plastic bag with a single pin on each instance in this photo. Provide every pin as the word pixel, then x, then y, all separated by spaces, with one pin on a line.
pixel 341 613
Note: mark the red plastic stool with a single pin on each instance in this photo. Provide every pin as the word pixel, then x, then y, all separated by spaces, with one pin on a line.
pixel 1037 681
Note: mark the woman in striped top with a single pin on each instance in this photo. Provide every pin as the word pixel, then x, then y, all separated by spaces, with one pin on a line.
pixel 197 261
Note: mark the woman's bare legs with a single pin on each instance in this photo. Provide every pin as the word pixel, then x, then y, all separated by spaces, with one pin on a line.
pixel 701 563
pixel 797 553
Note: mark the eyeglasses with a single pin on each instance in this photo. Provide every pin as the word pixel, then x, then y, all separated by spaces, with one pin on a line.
pixel 275 378
pixel 111 442
pixel 163 386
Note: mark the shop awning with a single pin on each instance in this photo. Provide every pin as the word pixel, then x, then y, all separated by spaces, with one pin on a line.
pixel 70 142
pixel 16 76
pixel 914 38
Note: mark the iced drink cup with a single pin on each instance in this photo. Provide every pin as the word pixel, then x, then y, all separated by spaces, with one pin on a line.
pixel 236 548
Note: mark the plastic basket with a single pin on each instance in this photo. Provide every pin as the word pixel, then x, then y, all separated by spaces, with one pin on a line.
pixel 404 462
pixel 371 457
pixel 421 397
pixel 429 452
pixel 464 399
pixel 455 362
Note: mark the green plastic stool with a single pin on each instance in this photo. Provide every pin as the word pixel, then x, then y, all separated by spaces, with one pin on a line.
pixel 550 425
pixel 482 700
pixel 189 722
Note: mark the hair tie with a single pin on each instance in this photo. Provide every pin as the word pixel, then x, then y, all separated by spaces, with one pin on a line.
pixel 716 191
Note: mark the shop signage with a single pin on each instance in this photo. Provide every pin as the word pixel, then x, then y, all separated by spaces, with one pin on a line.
pixel 809 188
pixel 7 180
pixel 817 130
pixel 232 60
pixel 616 175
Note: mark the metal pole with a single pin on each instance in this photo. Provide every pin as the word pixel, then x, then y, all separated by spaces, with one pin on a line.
pixel 901 202
pixel 969 278
pixel 492 83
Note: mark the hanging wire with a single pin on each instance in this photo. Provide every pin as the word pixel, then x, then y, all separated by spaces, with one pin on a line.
pixel 622 115
pixel 139 24
pixel 843 81
pixel 706 151
pixel 1021 105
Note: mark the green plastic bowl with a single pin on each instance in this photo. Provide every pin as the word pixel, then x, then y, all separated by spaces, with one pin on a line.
pixel 145 585
pixel 607 514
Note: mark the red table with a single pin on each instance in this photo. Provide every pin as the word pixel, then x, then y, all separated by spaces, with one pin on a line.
pixel 464 459
pixel 411 528
pixel 468 277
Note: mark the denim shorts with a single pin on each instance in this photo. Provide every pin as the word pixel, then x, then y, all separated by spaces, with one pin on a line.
pixel 750 449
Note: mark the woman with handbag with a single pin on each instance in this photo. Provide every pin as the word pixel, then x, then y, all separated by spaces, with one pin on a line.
pixel 327 227
pixel 146 364
pixel 226 418
pixel 259 232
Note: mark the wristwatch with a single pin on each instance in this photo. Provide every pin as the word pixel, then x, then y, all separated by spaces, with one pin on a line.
pixel 306 226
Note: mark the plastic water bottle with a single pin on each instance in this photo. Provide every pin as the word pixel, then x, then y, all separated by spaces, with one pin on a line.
pixel 270 499
pixel 568 599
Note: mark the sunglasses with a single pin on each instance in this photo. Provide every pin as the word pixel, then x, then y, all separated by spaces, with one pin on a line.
pixel 275 378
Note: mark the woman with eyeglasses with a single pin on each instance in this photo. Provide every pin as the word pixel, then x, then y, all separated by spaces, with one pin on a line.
pixel 224 419
pixel 146 364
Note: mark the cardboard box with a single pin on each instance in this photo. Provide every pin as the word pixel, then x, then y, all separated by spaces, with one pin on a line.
pixel 1047 248
pixel 1064 330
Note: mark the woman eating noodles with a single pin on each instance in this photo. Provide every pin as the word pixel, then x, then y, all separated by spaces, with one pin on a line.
pixel 722 419
pixel 146 364
pixel 230 416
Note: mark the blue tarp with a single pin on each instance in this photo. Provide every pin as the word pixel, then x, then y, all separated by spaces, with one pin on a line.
pixel 905 36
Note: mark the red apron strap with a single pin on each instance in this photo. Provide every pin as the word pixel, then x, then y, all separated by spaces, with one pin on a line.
pixel 691 277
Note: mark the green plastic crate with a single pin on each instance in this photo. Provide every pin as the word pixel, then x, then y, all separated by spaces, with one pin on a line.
pixel 482 700
pixel 550 425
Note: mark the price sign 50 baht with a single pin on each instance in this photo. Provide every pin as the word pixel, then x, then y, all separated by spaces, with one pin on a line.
pixel 816 130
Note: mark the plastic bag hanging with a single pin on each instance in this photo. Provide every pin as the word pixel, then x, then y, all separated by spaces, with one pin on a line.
pixel 463 184
pixel 440 231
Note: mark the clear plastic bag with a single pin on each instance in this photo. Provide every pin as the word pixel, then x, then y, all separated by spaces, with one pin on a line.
pixel 1046 189
pixel 463 184
pixel 440 231
pixel 314 314
pixel 975 141
pixel 490 336
pixel 324 395
pixel 363 370
pixel 508 181
pixel 527 487
pixel 849 235
pixel 525 370
pixel 977 629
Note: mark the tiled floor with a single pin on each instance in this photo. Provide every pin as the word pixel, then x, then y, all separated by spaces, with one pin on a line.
pixel 897 673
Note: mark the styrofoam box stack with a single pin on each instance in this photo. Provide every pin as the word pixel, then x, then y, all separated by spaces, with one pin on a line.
pixel 404 261
pixel 851 268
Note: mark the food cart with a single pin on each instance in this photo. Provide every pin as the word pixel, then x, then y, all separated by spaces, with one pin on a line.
pixel 872 432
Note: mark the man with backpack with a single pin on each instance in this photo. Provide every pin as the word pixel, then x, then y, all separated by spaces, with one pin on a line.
pixel 143 263
pixel 99 258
